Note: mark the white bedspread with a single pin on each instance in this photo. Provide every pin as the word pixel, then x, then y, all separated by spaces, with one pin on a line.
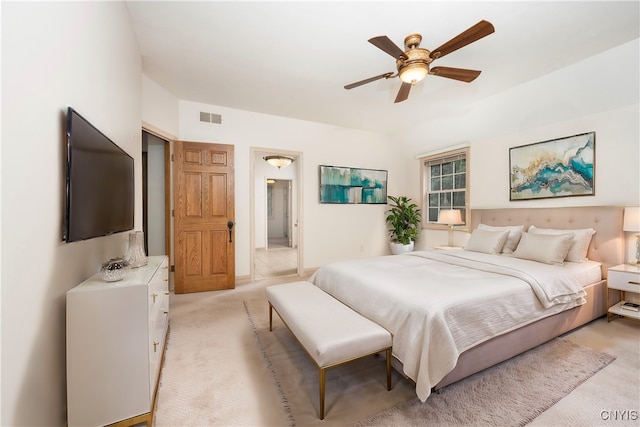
pixel 438 304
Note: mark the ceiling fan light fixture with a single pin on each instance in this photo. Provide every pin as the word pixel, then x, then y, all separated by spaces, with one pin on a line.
pixel 278 161
pixel 413 73
pixel 413 63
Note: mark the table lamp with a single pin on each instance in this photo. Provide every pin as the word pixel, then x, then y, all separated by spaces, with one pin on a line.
pixel 632 224
pixel 450 217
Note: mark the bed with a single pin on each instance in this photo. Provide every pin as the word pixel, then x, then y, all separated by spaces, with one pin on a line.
pixel 454 313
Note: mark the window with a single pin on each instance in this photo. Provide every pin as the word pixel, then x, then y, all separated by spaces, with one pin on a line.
pixel 445 180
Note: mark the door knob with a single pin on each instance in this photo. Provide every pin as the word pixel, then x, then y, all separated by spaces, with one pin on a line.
pixel 230 226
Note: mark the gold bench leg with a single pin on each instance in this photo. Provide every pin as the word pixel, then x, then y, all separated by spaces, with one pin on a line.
pixel 322 377
pixel 389 369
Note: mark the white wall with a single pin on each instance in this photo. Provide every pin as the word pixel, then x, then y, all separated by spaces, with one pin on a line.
pixel 159 108
pixel 330 232
pixel 617 176
pixel 54 55
pixel 581 98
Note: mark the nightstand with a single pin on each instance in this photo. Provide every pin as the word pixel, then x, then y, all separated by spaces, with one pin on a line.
pixel 625 279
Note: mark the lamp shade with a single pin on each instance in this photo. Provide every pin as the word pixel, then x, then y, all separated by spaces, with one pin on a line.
pixel 450 217
pixel 278 161
pixel 631 219
pixel 413 73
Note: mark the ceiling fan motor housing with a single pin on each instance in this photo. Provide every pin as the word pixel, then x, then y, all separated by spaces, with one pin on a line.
pixel 412 41
pixel 416 59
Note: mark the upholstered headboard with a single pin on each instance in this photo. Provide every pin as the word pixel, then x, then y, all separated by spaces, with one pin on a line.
pixel 607 245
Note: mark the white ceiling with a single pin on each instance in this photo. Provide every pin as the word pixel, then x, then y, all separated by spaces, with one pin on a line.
pixel 293 58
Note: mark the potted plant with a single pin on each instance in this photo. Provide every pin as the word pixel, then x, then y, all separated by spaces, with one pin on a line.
pixel 403 219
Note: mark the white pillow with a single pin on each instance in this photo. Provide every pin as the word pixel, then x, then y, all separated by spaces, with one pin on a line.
pixel 547 248
pixel 579 246
pixel 515 231
pixel 488 242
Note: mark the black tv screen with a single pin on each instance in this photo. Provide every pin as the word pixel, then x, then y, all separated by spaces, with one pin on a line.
pixel 100 183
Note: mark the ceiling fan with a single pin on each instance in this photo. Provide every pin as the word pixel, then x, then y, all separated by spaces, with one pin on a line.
pixel 413 64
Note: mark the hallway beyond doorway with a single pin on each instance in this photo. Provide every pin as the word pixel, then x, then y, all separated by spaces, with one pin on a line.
pixel 278 260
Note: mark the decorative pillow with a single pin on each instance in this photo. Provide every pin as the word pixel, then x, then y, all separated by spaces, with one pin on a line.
pixel 547 248
pixel 579 246
pixel 515 231
pixel 489 242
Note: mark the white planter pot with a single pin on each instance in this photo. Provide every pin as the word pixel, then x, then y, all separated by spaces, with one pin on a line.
pixel 399 248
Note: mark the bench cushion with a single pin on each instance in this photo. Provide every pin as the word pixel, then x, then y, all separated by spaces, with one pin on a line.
pixel 330 331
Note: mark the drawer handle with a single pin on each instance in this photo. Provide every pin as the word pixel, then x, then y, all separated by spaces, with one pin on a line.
pixel 153 296
pixel 631 282
pixel 165 311
pixel 166 293
pixel 155 346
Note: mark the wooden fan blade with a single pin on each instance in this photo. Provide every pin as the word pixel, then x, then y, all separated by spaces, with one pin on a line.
pixel 455 73
pixel 478 31
pixel 403 93
pixel 369 80
pixel 384 43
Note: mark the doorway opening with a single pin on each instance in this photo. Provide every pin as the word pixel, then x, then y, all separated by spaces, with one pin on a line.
pixel 279 224
pixel 275 236
pixel 155 153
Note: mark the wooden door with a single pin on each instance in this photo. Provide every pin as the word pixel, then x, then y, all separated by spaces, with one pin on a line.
pixel 204 217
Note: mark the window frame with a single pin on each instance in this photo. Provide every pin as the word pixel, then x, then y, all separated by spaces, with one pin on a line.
pixel 425 189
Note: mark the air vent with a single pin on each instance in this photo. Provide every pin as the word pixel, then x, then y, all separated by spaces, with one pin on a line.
pixel 210 117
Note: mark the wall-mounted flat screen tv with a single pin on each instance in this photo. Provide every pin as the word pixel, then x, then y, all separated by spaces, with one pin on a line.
pixel 100 183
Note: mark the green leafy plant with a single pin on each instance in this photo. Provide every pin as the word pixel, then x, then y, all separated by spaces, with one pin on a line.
pixel 403 219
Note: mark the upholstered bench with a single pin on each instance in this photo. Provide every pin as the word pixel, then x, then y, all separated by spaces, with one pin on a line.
pixel 331 332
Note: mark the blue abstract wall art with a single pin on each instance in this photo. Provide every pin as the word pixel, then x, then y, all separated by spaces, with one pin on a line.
pixel 556 168
pixel 345 185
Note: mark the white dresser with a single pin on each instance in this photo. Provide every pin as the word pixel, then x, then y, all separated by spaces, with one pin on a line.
pixel 116 336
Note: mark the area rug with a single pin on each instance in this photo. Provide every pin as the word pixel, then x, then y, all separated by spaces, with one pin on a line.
pixel 509 394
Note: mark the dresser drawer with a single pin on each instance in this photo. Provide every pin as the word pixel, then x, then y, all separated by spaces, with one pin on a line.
pixel 624 281
pixel 157 336
pixel 158 320
pixel 158 290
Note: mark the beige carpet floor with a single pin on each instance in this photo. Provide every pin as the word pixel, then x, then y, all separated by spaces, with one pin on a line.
pixel 513 393
pixel 215 373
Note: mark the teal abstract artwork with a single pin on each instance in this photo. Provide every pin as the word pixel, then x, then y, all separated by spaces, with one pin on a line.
pixel 556 168
pixel 345 185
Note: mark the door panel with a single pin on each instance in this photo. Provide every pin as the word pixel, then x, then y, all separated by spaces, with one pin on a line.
pixel 204 205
